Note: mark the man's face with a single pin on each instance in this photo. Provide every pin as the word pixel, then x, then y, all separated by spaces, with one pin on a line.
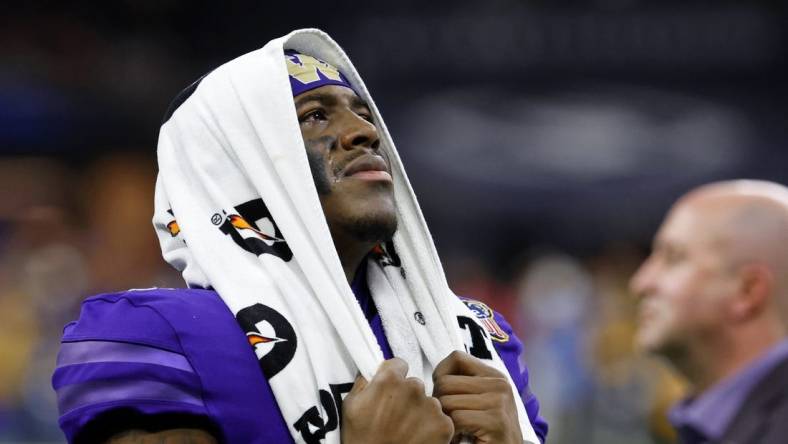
pixel 683 286
pixel 351 174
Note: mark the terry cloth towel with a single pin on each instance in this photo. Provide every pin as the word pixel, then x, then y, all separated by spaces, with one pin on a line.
pixel 237 211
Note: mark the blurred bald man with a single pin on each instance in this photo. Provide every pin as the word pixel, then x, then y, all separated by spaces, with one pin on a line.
pixel 714 303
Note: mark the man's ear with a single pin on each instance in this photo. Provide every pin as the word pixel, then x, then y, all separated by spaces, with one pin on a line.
pixel 754 291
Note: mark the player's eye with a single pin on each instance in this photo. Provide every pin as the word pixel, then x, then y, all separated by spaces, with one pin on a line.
pixel 314 115
pixel 366 115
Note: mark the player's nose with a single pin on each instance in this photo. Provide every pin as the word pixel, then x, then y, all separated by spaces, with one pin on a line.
pixel 359 133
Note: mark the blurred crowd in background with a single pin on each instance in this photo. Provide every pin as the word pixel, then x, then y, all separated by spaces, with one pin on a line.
pixel 545 141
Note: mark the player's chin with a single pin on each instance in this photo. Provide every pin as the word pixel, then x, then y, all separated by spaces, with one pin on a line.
pixel 383 215
pixel 371 189
pixel 376 199
pixel 372 223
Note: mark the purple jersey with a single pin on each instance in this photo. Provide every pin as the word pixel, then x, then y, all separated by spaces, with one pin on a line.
pixel 181 351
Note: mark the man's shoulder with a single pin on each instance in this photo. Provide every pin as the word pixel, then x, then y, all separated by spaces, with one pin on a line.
pixel 761 417
pixel 145 315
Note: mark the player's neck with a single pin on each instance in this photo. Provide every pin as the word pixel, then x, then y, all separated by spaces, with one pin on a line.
pixel 351 255
pixel 351 268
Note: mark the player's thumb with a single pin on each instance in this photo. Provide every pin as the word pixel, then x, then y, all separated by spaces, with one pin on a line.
pixel 358 385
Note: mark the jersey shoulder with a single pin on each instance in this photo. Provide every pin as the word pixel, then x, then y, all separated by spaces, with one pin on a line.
pixel 142 316
pixel 509 349
pixel 126 352
pixel 493 322
pixel 504 340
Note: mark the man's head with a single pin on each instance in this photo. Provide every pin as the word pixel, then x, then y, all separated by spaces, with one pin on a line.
pixel 351 174
pixel 718 268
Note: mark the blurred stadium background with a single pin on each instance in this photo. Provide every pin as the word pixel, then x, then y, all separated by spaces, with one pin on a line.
pixel 545 140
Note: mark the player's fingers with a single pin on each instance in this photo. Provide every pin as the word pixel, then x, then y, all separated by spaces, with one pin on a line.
pixel 474 422
pixel 456 385
pixel 358 385
pixel 461 363
pixel 485 401
pixel 394 369
pixel 415 386
pixel 448 366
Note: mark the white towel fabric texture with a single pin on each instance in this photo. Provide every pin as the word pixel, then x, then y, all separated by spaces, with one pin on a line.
pixel 236 139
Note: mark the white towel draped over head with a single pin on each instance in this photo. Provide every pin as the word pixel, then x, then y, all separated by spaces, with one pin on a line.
pixel 237 211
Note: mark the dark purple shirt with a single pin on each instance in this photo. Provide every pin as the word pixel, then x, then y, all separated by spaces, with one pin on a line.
pixel 161 351
pixel 709 414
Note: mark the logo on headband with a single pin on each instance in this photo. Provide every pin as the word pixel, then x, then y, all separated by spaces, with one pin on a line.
pixel 307 73
pixel 253 229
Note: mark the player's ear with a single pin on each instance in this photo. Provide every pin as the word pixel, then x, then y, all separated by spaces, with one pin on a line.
pixel 755 288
